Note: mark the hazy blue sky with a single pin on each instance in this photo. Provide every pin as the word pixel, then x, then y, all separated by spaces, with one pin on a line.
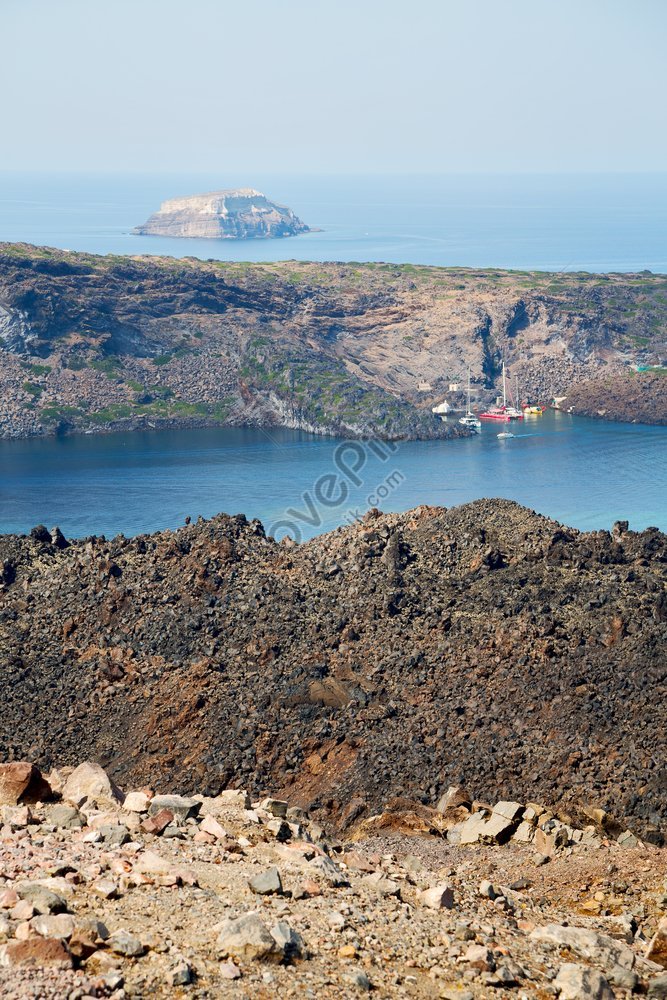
pixel 343 85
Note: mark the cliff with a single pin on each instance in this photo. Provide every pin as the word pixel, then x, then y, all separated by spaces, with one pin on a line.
pixel 97 343
pixel 240 214
pixel 636 397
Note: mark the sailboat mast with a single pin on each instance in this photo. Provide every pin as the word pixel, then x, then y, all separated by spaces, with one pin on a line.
pixel 504 387
pixel 469 410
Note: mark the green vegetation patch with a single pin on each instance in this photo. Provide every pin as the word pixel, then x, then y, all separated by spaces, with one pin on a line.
pixel 36 369
pixel 33 388
pixel 111 366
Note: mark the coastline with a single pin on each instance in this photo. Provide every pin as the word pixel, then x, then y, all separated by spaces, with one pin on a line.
pixel 92 344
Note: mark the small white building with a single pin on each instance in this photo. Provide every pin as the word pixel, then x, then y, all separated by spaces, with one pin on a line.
pixel 441 408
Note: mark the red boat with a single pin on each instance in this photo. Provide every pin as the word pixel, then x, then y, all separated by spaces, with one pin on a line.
pixel 503 412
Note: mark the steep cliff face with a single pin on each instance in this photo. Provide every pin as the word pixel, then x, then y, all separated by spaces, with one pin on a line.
pixel 92 342
pixel 240 214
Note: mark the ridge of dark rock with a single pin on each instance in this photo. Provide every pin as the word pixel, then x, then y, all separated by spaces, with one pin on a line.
pixel 484 645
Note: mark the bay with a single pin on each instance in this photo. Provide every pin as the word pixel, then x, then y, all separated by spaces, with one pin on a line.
pixel 582 472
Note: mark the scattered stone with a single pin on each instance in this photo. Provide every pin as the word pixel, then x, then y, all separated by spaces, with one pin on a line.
pixel 247 938
pixel 227 970
pixel 267 883
pixel 657 949
pixel 136 802
pixel 439 897
pixel 122 942
pixel 115 836
pixel 159 822
pixel 105 888
pixel 236 797
pixel 179 806
pixel 508 810
pixel 524 833
pixel 180 975
pixel 24 910
pixel 211 826
pixel 42 899
pixel 22 782
pixel 36 952
pixel 589 944
pixel 90 782
pixel 59 925
pixel 577 982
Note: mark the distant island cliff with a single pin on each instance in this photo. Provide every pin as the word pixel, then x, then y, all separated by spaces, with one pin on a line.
pixel 238 214
pixel 90 343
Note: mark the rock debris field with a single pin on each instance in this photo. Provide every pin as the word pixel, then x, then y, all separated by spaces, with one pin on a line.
pixel 137 894
pixel 422 755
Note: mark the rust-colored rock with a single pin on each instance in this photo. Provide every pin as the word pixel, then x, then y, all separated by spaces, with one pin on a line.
pixel 657 949
pixel 21 781
pixel 158 823
pixel 37 952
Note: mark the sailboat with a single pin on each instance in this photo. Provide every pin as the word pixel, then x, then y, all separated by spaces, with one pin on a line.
pixel 503 412
pixel 470 420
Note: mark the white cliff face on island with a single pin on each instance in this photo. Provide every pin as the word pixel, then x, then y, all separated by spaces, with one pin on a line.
pixel 239 214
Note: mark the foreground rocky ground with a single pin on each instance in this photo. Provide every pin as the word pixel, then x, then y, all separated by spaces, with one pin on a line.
pixel 140 894
pixel 483 645
pixel 96 343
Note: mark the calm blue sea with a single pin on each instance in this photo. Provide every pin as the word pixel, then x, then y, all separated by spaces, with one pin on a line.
pixel 585 473
pixel 563 222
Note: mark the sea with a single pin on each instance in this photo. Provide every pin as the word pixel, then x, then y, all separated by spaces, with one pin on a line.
pixel 585 473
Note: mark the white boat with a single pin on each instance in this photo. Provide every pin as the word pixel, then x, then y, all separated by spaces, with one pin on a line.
pixel 505 434
pixel 470 420
pixel 503 412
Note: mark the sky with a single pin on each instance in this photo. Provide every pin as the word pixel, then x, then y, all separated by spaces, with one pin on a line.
pixel 333 86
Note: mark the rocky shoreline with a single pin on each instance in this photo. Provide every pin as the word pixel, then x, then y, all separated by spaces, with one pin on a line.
pixel 639 398
pixel 91 344
pixel 135 893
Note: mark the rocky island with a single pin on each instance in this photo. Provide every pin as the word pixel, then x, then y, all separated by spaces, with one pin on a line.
pixel 235 214
pixel 92 343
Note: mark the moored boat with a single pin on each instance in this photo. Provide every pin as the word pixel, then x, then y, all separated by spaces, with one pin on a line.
pixel 503 412
pixel 470 420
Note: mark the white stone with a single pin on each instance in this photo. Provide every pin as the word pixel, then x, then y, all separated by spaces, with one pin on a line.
pixel 576 982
